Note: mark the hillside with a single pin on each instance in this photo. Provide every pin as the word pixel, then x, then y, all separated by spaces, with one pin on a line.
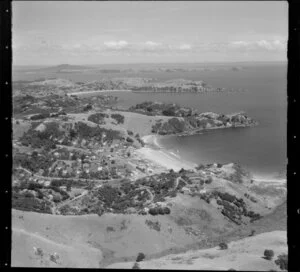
pixel 244 254
pixel 88 192
pixel 113 239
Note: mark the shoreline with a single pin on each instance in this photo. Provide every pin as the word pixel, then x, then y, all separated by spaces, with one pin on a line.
pixel 203 130
pixel 274 181
pixel 154 152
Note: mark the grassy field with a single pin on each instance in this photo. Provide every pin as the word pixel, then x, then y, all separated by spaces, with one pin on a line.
pixel 245 254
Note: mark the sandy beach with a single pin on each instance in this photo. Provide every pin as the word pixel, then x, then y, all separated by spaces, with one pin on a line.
pixel 154 152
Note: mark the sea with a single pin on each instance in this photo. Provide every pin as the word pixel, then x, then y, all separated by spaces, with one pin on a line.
pixel 261 149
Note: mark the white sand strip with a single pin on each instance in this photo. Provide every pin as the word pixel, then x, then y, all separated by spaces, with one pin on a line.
pixel 154 152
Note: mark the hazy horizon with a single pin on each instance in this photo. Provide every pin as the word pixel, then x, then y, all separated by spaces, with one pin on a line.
pixel 154 63
pixel 89 33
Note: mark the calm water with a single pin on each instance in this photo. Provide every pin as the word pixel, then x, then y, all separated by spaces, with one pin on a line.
pixel 261 149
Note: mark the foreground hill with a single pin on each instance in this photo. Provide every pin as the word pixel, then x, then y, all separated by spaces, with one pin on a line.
pixel 244 254
pixel 116 240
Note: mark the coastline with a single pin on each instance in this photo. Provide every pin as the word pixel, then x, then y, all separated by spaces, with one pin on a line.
pixel 154 152
pixel 270 181
pixel 202 130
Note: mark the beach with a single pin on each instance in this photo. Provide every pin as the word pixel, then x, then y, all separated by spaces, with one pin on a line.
pixel 154 152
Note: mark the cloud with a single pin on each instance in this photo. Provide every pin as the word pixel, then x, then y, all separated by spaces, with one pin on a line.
pixel 109 47
pixel 116 45
pixel 266 45
pixel 152 44
pixel 185 47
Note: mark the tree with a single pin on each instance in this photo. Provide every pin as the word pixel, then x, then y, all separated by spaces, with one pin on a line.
pixel 34 154
pixel 208 180
pixel 56 198
pixel 136 266
pixel 166 210
pixel 223 246
pixel 252 232
pixel 153 211
pixel 72 133
pixel 141 256
pixel 69 187
pixel 181 171
pixel 169 112
pixel 282 261
pixel 268 254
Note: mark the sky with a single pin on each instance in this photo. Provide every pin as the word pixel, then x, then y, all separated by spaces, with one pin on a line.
pixel 84 32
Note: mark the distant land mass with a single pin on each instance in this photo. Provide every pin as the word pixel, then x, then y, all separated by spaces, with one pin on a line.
pixel 134 84
pixel 65 68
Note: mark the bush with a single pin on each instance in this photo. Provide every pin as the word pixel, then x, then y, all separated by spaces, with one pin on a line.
pixel 57 198
pixel 161 210
pixel 87 107
pixel 20 202
pixel 39 252
pixel 268 254
pixel 109 229
pixel 208 180
pixel 98 118
pixel 129 140
pixel 118 117
pixel 252 233
pixel 227 197
pixel 169 112
pixel 166 210
pixel 54 257
pixel 153 211
pixel 40 116
pixel 282 261
pixel 141 256
pixel 136 266
pixel 33 186
pixel 153 225
pixel 223 246
pixel 69 187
